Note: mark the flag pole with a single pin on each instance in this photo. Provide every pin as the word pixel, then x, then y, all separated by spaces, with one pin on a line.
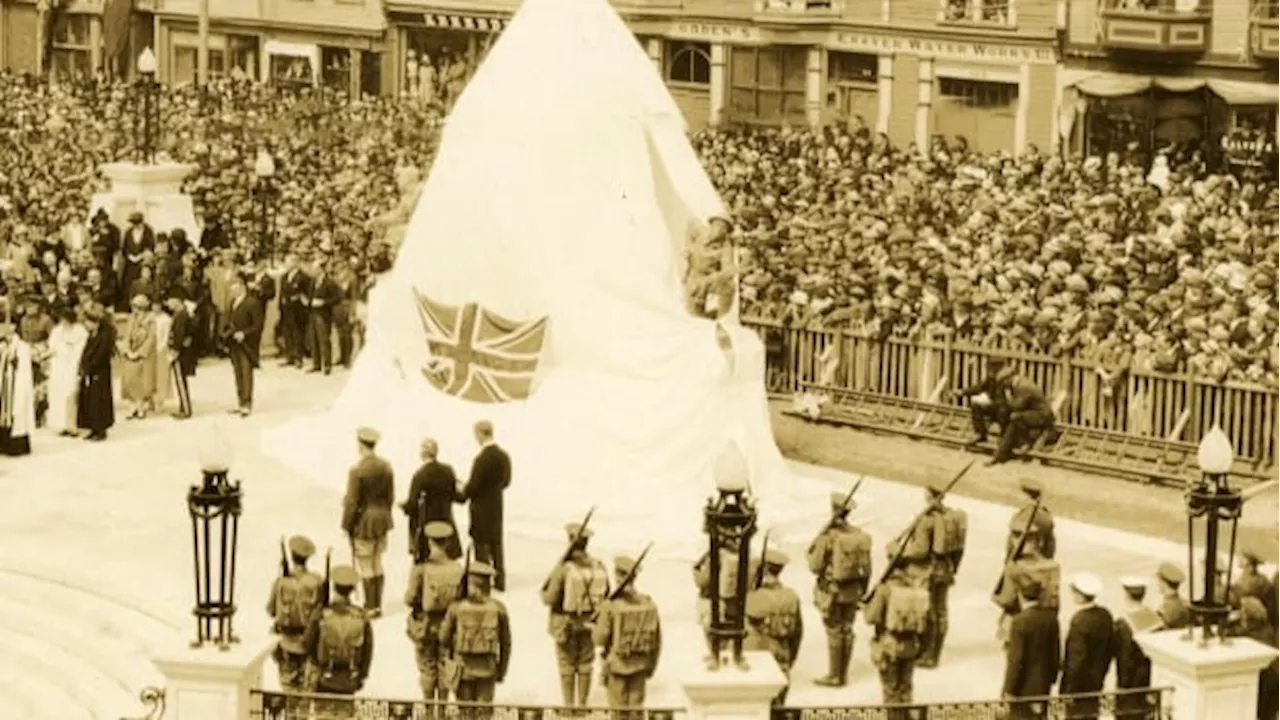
pixel 202 47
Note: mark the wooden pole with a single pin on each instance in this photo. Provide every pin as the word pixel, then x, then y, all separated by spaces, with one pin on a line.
pixel 202 47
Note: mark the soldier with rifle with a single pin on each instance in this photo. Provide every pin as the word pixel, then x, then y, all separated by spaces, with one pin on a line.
pixel 774 622
pixel 339 640
pixel 573 592
pixel 948 531
pixel 476 632
pixel 1038 522
pixel 295 597
pixel 898 612
pixel 629 633
pixel 1026 564
pixel 840 559
pixel 433 587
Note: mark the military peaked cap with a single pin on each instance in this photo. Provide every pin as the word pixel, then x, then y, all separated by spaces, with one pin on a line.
pixel 1032 486
pixel 1171 573
pixel 301 546
pixel 838 501
pixel 480 569
pixel 368 435
pixel 938 485
pixel 625 563
pixel 1086 584
pixel 776 558
pixel 345 577
pixel 1133 582
pixel 438 530
pixel 575 530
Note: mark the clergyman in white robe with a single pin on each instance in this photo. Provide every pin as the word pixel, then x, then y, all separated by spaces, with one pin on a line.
pixel 17 396
pixel 66 344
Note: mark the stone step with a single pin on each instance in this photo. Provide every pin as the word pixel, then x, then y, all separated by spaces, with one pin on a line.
pixel 53 683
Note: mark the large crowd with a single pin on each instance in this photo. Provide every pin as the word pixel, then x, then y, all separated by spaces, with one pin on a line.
pixel 1167 267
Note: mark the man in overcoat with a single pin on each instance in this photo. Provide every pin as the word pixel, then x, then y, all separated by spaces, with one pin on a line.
pixel 432 493
pixel 1032 661
pixel 1090 648
pixel 490 477
pixel 243 323
pixel 95 404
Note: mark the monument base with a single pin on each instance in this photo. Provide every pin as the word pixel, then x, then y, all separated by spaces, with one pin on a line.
pixel 1209 681
pixel 212 684
pixel 732 693
pixel 153 190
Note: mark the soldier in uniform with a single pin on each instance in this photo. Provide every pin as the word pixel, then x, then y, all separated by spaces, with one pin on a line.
pixel 1173 611
pixel 840 559
pixel 366 516
pixel 899 613
pixel 948 529
pixel 774 621
pixel 339 640
pixel 1251 582
pixel 1041 525
pixel 1133 667
pixel 294 599
pixel 629 633
pixel 433 587
pixel 1030 567
pixel 476 633
pixel 573 592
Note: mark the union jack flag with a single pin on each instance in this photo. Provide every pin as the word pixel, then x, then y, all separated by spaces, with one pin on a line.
pixel 478 355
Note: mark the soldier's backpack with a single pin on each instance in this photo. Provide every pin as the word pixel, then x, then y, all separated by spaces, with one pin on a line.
pixel 907 610
pixel 440 583
pixel 584 587
pixel 341 639
pixel 296 599
pixel 850 559
pixel 951 531
pixel 477 628
pixel 635 629
pixel 1045 572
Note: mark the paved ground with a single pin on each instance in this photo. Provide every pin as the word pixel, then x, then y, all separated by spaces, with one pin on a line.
pixel 96 564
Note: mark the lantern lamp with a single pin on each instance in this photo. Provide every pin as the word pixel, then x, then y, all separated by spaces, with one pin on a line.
pixel 147 62
pixel 214 507
pixel 1213 503
pixel 148 92
pixel 264 169
pixel 264 166
pixel 730 521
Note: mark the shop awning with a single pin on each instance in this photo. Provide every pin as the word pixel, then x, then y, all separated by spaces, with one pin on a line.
pixel 1234 92
pixel 470 23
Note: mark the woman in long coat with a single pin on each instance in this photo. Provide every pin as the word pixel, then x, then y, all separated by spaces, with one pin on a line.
pixel 95 406
pixel 138 361
pixel 163 376
pixel 66 344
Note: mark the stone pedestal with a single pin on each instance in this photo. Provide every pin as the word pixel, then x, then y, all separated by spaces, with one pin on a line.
pixel 734 694
pixel 212 684
pixel 153 190
pixel 1210 682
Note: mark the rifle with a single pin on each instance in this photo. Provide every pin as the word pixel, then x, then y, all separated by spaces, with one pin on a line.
pixel 421 548
pixel 839 512
pixel 284 559
pixel 324 594
pixel 764 550
pixel 464 584
pixel 626 580
pixel 1016 550
pixel 906 536
pixel 573 542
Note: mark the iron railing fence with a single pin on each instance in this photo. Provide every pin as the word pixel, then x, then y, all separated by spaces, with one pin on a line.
pixel 1144 704
pixel 267 705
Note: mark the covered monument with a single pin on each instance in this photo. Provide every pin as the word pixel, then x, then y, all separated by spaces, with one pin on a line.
pixel 542 285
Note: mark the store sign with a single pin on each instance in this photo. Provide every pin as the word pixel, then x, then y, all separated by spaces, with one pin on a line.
pixel 946 49
pixel 714 32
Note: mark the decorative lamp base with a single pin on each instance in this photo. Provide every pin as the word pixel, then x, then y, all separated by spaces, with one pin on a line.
pixel 212 684
pixel 1210 679
pixel 153 190
pixel 735 692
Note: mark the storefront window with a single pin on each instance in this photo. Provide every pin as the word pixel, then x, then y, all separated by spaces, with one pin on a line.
pixel 768 84
pixel 243 53
pixel 336 64
pixel 981 114
pixel 689 62
pixel 288 70
pixel 1114 124
pixel 184 64
pixel 71 56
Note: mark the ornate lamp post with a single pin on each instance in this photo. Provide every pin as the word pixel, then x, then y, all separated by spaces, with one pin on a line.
pixel 264 170
pixel 729 520
pixel 214 506
pixel 1213 502
pixel 148 89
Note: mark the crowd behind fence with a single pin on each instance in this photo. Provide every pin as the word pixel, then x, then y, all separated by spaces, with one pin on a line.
pixel 1141 403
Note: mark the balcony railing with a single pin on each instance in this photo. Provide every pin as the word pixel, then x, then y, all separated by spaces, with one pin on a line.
pixel 1147 704
pixel 265 705
pixel 1167 26
pixel 1264 31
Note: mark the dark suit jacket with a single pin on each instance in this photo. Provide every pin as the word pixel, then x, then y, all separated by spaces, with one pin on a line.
pixel 295 290
pixel 436 487
pixel 490 476
pixel 245 317
pixel 1091 642
pixel 1032 658
pixel 96 409
pixel 325 290
pixel 182 341
pixel 264 288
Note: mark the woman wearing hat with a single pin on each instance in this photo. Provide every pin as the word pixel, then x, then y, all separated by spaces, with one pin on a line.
pixel 138 361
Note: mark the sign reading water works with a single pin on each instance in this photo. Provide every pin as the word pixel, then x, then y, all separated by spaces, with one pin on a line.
pixel 944 49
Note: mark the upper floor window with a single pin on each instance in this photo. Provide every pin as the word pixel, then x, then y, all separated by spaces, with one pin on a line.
pixel 792 5
pixel 986 12
pixel 1155 6
pixel 689 62
pixel 1265 9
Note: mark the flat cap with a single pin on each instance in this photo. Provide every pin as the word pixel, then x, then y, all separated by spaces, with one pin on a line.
pixel 624 563
pixel 368 435
pixel 344 576
pixel 480 569
pixel 1086 584
pixel 301 546
pixel 1170 573
pixel 776 558
pixel 438 530
pixel 1031 486
pixel 842 501
pixel 575 530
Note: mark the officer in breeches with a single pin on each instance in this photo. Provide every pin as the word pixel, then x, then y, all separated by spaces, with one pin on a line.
pixel 433 587
pixel 573 593
pixel 294 599
pixel 774 621
pixel 476 634
pixel 840 559
pixel 948 529
pixel 629 633
pixel 899 613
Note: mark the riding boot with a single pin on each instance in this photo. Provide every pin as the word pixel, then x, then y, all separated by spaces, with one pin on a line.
pixel 584 688
pixel 835 657
pixel 846 657
pixel 366 587
pixel 379 582
pixel 566 689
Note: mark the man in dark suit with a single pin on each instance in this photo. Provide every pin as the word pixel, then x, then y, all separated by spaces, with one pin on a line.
pixel 321 303
pixel 1032 658
pixel 95 409
pixel 295 292
pixel 244 321
pixel 1030 415
pixel 490 477
pixel 263 288
pixel 182 350
pixel 989 400
pixel 432 493
pixel 1133 667
pixel 1090 648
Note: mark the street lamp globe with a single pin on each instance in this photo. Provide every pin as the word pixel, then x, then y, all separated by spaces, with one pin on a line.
pixel 731 472
pixel 1215 456
pixel 264 166
pixel 147 62
pixel 214 452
